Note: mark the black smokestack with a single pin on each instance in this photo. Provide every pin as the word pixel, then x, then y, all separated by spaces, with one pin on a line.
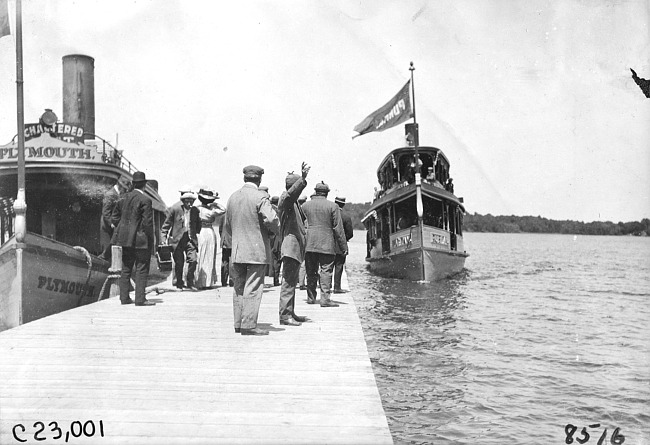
pixel 79 92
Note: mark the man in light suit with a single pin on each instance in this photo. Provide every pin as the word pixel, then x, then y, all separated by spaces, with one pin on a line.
pixel 133 219
pixel 180 230
pixel 110 200
pixel 293 243
pixel 249 219
pixel 324 236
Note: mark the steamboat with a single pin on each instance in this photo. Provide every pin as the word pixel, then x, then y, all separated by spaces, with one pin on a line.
pixel 414 225
pixel 55 264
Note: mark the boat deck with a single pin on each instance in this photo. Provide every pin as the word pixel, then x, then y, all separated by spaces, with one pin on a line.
pixel 177 373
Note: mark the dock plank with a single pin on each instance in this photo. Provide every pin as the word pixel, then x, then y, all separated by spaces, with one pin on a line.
pixel 177 373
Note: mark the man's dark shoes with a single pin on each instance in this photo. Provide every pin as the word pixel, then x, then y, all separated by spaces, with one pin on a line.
pixel 290 322
pixel 340 291
pixel 254 331
pixel 237 330
pixel 311 301
pixel 329 304
pixel 192 288
pixel 146 303
pixel 300 318
pixel 129 301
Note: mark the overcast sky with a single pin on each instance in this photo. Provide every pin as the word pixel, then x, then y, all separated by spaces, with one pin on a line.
pixel 532 102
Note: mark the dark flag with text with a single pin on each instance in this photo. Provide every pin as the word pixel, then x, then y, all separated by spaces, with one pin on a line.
pixel 396 111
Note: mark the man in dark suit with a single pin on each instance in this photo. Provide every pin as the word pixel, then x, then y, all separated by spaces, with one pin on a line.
pixel 180 230
pixel 339 261
pixel 106 226
pixel 225 255
pixel 133 219
pixel 249 219
pixel 293 243
pixel 276 244
pixel 324 236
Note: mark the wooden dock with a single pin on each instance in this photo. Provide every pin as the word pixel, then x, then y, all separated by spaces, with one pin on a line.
pixel 177 373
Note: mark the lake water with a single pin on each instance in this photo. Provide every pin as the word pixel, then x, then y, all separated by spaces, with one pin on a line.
pixel 539 334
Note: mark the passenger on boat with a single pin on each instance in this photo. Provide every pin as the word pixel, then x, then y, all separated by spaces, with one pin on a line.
pixel 209 213
pixel 449 186
pixel 111 198
pixel 133 218
pixel 324 235
pixel 339 261
pixel 180 230
pixel 249 219
pixel 431 176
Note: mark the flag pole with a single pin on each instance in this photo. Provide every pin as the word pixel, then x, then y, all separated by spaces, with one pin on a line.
pixel 418 177
pixel 20 205
pixel 416 141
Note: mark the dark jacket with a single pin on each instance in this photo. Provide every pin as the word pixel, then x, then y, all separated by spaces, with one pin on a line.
pixel 324 226
pixel 174 225
pixel 292 222
pixel 347 227
pixel 133 221
pixel 110 200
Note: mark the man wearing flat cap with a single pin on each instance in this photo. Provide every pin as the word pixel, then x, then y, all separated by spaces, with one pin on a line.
pixel 133 221
pixel 180 230
pixel 339 261
pixel 325 236
pixel 294 243
pixel 111 198
pixel 248 221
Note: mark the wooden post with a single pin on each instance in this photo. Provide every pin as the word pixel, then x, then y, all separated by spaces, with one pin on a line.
pixel 115 269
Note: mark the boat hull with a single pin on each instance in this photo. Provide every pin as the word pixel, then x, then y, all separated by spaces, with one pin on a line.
pixel 419 264
pixel 41 277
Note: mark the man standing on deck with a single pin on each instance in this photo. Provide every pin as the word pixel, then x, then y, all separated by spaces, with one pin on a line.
pixel 324 236
pixel 133 219
pixel 184 223
pixel 339 261
pixel 111 198
pixel 249 219
pixel 293 244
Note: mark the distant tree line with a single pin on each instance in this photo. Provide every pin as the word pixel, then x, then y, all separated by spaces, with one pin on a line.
pixel 527 224
pixel 537 224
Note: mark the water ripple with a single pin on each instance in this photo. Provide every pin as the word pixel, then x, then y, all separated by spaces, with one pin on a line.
pixel 537 332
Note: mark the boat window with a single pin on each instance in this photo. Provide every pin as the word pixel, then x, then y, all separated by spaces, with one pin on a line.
pixel 405 214
pixel 433 215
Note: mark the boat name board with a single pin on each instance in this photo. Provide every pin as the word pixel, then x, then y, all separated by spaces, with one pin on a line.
pixel 55 153
pixel 439 239
pixel 61 130
pixel 400 241
pixel 64 286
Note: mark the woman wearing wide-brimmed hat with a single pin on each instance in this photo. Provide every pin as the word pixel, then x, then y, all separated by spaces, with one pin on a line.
pixel 210 212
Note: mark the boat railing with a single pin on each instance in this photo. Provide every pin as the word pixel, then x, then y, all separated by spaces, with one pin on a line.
pixel 111 155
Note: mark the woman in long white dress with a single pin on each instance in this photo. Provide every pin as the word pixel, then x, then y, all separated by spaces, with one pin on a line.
pixel 209 212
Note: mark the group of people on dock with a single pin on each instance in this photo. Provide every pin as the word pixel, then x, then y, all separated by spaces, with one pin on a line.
pixel 260 236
